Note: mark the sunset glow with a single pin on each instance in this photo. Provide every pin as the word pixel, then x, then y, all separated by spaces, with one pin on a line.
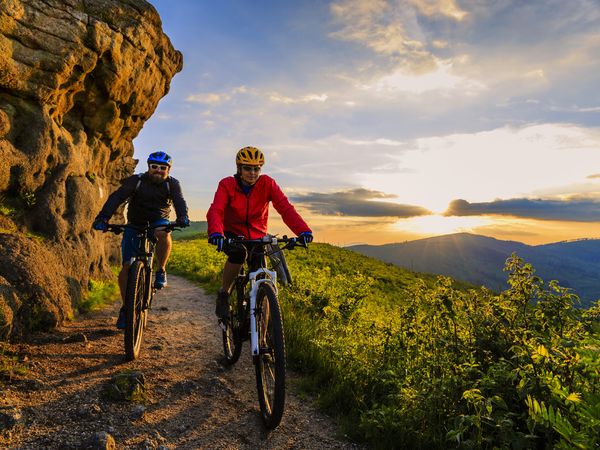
pixel 435 224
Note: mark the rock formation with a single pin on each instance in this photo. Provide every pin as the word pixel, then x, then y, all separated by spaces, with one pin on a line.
pixel 78 79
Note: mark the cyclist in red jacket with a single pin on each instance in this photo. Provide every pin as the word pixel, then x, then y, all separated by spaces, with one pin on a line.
pixel 241 208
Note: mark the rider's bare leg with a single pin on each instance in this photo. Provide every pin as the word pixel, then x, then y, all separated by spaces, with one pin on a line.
pixel 163 248
pixel 230 271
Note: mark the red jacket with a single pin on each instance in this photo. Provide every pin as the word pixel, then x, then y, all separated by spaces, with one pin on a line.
pixel 247 215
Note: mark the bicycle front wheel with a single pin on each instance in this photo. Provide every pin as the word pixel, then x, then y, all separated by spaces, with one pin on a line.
pixel 232 334
pixel 135 312
pixel 270 362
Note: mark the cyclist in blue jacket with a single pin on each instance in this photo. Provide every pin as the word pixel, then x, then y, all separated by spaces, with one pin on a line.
pixel 150 196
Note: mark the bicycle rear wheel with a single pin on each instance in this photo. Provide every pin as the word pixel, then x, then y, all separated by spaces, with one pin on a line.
pixel 232 334
pixel 270 362
pixel 135 312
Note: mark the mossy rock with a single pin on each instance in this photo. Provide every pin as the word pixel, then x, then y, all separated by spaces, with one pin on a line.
pixel 126 386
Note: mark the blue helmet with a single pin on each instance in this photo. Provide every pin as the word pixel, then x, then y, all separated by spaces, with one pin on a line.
pixel 159 158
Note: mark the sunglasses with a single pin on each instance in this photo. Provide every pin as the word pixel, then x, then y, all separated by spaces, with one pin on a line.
pixel 159 167
pixel 251 168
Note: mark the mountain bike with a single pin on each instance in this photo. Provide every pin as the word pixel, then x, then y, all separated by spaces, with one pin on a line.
pixel 254 312
pixel 140 289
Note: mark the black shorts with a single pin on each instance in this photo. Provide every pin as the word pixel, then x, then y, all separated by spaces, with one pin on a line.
pixel 237 253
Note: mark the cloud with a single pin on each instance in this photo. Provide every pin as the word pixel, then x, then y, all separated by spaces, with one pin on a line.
pixel 210 98
pixel 215 98
pixel 422 46
pixel 378 141
pixel 440 78
pixel 412 47
pixel 358 203
pixel 575 210
pixel 278 98
pixel 379 26
pixel 446 8
pixel 595 175
pixel 391 28
pixel 576 109
pixel 507 162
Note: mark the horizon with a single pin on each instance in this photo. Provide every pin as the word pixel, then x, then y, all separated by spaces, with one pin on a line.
pixel 386 121
pixel 566 241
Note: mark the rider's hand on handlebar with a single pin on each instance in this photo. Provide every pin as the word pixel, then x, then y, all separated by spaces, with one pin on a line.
pixel 306 238
pixel 183 222
pixel 217 239
pixel 100 223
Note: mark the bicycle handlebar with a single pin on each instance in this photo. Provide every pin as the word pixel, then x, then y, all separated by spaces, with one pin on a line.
pixel 119 228
pixel 290 243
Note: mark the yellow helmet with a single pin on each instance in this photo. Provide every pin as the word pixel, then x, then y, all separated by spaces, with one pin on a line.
pixel 250 156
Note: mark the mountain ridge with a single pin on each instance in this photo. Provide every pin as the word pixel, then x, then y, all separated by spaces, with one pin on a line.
pixel 480 260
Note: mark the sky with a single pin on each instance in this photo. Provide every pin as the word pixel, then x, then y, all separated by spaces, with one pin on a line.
pixel 392 120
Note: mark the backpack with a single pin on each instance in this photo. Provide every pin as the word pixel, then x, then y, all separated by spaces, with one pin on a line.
pixel 137 186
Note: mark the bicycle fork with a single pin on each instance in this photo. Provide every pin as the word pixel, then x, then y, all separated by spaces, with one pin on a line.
pixel 149 284
pixel 255 284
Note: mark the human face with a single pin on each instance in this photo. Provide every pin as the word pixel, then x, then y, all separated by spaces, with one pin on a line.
pixel 249 174
pixel 158 172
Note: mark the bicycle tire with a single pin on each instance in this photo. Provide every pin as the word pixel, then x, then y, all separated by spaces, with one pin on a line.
pixel 270 362
pixel 232 334
pixel 134 310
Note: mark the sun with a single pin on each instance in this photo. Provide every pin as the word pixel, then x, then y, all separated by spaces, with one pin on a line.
pixel 438 224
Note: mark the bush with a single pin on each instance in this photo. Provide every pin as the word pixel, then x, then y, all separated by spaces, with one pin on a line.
pixel 99 294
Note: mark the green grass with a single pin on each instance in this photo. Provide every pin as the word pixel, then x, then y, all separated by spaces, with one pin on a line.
pixel 194 231
pixel 10 365
pixel 100 293
pixel 198 261
pixel 40 238
pixel 6 210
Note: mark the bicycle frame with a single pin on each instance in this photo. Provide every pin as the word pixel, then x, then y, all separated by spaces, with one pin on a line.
pixel 148 258
pixel 254 285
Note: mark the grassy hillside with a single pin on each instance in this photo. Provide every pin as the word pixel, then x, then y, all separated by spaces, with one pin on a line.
pixel 194 231
pixel 480 259
pixel 406 360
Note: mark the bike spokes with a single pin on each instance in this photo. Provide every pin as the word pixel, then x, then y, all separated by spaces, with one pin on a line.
pixel 270 362
pixel 232 339
pixel 135 311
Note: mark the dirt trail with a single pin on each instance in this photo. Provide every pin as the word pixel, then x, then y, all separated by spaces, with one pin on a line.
pixel 196 402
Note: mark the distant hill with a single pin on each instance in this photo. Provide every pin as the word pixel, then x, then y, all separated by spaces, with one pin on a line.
pixel 480 260
pixel 192 232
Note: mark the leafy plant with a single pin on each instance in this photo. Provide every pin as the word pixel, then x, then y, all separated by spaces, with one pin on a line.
pixel 10 365
pixel 5 208
pixel 28 198
pixel 99 293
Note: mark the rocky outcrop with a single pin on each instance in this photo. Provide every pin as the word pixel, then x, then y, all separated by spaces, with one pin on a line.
pixel 78 79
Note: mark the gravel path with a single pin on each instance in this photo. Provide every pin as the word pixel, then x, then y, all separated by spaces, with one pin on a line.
pixel 195 402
